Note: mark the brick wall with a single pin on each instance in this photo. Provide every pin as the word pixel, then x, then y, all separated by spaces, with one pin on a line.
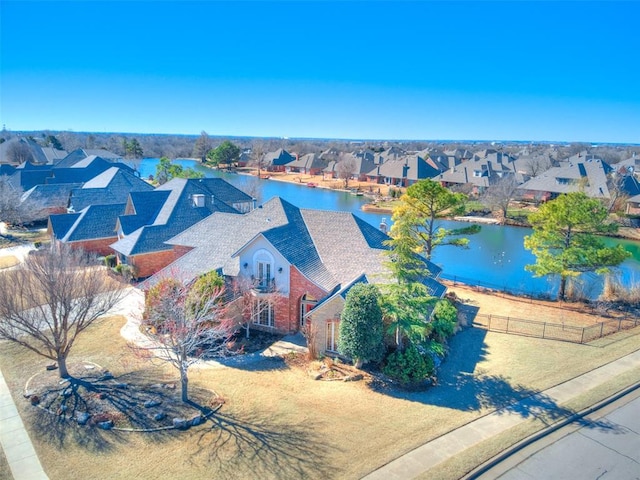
pixel 299 285
pixel 99 246
pixel 147 264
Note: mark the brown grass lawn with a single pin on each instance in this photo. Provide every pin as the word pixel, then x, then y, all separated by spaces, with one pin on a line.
pixel 279 423
pixel 7 261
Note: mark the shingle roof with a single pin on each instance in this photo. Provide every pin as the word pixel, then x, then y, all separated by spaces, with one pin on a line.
pixel 278 158
pixel 329 248
pixel 413 167
pixel 60 224
pixel 93 222
pixel 170 209
pixel 111 186
pixel 589 175
pixel 56 195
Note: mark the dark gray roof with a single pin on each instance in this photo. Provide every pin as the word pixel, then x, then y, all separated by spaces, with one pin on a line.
pixel 310 160
pixel 47 196
pixel 60 225
pixel 93 222
pixel 278 158
pixel 79 154
pixel 111 186
pixel 413 167
pixel 157 216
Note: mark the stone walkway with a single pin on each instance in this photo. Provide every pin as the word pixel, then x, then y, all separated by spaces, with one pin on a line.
pixel 424 458
pixel 15 441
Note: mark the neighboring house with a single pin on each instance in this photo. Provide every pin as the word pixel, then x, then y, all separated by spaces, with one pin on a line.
pixel 291 261
pixel 81 153
pixel 633 205
pixel 479 173
pixel 277 161
pixel 92 228
pixel 27 175
pixel 405 171
pixel 83 170
pixel 309 164
pixel 358 163
pixel 151 218
pixel 18 150
pixel 110 187
pixel 588 175
pixel 52 198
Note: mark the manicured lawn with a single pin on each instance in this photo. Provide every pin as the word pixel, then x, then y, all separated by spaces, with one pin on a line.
pixel 279 423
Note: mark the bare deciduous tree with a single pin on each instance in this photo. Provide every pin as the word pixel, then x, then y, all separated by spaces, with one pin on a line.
pixel 345 170
pixel 250 303
pixel 537 165
pixel 499 195
pixel 15 211
pixel 51 298
pixel 185 328
pixel 258 150
pixel 202 146
pixel 19 152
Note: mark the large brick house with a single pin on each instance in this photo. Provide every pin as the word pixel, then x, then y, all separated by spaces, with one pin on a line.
pixel 296 263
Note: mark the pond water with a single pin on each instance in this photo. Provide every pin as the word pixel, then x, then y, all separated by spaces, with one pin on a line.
pixel 496 256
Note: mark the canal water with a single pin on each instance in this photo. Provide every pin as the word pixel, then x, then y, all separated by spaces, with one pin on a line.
pixel 496 256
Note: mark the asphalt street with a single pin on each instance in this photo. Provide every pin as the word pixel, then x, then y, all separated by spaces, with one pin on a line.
pixel 603 445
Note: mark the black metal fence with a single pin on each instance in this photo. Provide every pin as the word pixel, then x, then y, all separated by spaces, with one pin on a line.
pixel 553 331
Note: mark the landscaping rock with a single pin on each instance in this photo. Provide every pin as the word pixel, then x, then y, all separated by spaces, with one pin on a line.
pixel 28 393
pixel 34 399
pixel 108 425
pixel 52 366
pixel 353 378
pixel 82 418
pixel 316 375
pixel 159 416
pixel 152 403
pixel 180 423
pixel 106 375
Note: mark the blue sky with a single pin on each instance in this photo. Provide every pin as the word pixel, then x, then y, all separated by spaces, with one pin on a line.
pixel 509 70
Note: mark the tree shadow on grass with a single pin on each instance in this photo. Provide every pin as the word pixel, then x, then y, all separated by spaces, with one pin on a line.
pixel 461 387
pixel 273 449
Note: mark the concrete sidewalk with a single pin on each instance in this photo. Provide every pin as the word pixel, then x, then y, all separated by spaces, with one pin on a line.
pixel 15 441
pixel 429 455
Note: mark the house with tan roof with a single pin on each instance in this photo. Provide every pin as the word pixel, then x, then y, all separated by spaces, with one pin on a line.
pixel 298 263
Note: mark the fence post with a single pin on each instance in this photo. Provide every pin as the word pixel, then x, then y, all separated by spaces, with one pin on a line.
pixel 489 324
pixel 619 325
pixel 544 329
pixel 601 329
pixel 507 324
pixel 582 336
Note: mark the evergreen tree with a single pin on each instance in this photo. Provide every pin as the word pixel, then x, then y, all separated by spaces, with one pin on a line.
pixel 361 328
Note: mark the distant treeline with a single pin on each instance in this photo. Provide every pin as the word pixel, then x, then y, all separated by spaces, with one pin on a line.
pixel 190 146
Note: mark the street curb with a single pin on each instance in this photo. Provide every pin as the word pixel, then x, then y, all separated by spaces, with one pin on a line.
pixel 489 464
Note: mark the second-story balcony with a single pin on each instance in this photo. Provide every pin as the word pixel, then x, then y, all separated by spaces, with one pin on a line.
pixel 264 285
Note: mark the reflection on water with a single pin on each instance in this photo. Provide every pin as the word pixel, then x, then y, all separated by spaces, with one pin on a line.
pixel 496 256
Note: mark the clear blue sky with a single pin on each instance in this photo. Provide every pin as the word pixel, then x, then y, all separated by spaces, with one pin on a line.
pixel 558 71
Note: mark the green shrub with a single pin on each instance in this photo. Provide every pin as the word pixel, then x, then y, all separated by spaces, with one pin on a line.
pixel 445 318
pixel 110 261
pixel 408 366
